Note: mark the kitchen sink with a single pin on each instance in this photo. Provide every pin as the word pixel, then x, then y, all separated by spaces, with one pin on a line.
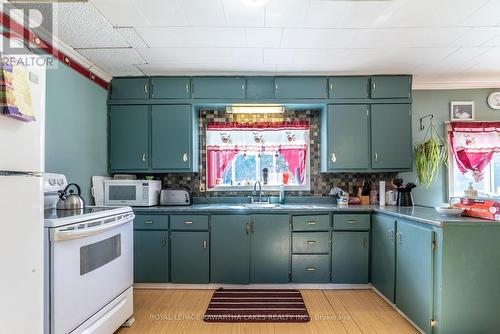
pixel 261 205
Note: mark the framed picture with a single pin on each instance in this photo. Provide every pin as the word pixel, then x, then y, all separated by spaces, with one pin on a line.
pixel 462 111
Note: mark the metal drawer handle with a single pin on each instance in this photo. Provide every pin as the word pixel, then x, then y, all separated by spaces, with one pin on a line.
pixel 187 88
pixel 352 221
pixel 311 222
pixel 311 269
pixel 376 156
pixel 331 87
pixel 399 238
pixel 365 243
pixel 185 157
pixel 188 222
pixel 276 86
pixel 205 244
pixel 145 88
pixel 148 222
pixel 391 235
pixel 163 241
pixel 374 85
pixel 144 157
pixel 311 242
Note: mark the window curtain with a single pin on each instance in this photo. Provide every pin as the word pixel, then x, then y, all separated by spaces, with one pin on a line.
pixel 226 140
pixel 473 145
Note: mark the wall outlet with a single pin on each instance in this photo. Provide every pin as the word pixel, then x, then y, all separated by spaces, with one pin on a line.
pixel 202 187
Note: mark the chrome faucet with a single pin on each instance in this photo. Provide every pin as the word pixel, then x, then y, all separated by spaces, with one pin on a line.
pixel 260 190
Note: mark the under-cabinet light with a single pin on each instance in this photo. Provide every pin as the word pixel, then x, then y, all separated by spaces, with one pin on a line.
pixel 255 109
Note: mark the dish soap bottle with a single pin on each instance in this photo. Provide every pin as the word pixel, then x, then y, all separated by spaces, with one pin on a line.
pixel 471 192
pixel 282 194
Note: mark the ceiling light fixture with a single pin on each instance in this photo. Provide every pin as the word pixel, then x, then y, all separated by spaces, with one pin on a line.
pixel 255 3
pixel 255 109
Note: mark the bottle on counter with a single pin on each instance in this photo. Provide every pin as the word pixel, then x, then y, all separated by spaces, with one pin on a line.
pixel 282 194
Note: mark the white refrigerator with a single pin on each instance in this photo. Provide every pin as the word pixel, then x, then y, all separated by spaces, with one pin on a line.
pixel 21 213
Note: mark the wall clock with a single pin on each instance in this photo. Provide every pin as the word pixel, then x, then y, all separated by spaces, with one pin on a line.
pixel 494 100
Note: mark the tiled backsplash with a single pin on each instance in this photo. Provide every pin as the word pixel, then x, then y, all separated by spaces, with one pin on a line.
pixel 321 183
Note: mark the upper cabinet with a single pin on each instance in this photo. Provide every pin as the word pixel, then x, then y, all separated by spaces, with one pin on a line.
pixel 219 87
pixel 391 87
pixel 170 87
pixel 300 87
pixel 348 87
pixel 129 88
pixel 260 87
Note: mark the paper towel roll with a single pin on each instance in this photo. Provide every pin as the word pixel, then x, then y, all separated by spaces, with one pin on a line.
pixel 381 193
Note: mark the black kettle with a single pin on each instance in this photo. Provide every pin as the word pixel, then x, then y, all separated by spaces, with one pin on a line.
pixel 405 198
pixel 68 200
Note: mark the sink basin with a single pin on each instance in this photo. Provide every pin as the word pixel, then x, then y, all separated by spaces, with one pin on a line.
pixel 261 205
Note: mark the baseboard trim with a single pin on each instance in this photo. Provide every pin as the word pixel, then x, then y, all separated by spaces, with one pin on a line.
pixel 213 286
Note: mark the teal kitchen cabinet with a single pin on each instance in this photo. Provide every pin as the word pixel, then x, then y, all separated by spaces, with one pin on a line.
pixel 347 147
pixel 260 88
pixel 230 249
pixel 129 137
pixel 189 257
pixel 300 87
pixel 269 248
pixel 383 255
pixel 348 87
pixel 310 268
pixel 391 136
pixel 151 256
pixel 219 87
pixel 350 257
pixel 170 87
pixel 390 86
pixel 172 138
pixel 414 272
pixel 129 88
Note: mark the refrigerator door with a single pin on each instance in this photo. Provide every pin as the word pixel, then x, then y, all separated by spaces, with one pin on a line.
pixel 21 252
pixel 22 144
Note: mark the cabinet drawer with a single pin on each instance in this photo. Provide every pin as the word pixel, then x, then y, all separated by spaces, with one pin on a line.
pixel 151 222
pixel 188 222
pixel 311 223
pixel 310 268
pixel 311 242
pixel 351 222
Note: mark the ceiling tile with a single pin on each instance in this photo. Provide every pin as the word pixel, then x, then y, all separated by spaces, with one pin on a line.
pixel 161 12
pixel 408 37
pixel 208 68
pixel 193 36
pixel 132 37
pixel 486 15
pixel 121 12
pixel 202 55
pixel 238 14
pixel 121 70
pixel 203 13
pixel 263 37
pixel 318 38
pixel 493 54
pixel 113 61
pixel 477 36
pixel 286 13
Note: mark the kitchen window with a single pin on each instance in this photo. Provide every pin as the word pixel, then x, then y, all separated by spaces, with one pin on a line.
pixel 274 153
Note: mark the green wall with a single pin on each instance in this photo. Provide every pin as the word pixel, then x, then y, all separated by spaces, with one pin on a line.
pixel 437 102
pixel 76 127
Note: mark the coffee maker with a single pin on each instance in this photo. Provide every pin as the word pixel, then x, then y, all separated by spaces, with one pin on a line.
pixel 405 197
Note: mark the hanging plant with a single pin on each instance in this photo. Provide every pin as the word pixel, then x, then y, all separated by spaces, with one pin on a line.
pixel 429 156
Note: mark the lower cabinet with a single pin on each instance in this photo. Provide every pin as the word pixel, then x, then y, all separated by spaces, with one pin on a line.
pixel 350 257
pixel 189 257
pixel 383 256
pixel 308 268
pixel 151 256
pixel 414 273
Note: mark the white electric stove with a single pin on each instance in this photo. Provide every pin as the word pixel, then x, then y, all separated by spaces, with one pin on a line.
pixel 88 265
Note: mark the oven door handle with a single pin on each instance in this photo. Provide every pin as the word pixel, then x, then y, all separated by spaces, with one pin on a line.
pixel 64 234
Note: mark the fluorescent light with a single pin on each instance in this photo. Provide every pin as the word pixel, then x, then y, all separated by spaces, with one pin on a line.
pixel 255 3
pixel 255 109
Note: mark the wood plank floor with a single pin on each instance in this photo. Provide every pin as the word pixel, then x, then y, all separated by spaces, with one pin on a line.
pixel 331 311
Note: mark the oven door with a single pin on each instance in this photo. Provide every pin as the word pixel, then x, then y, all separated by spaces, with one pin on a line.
pixel 123 193
pixel 91 264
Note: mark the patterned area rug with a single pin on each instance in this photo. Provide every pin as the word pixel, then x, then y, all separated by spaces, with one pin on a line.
pixel 256 305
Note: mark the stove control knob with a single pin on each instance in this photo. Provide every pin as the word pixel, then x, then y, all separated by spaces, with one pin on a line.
pixel 60 182
pixel 52 182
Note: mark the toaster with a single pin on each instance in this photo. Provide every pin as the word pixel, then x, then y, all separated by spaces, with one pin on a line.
pixel 175 197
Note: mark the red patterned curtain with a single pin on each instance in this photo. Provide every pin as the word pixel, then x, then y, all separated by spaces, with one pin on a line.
pixel 473 145
pixel 217 161
pixel 296 158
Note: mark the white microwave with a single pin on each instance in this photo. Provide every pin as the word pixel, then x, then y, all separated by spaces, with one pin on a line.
pixel 132 192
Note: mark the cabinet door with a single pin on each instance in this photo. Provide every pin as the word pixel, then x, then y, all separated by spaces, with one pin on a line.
pixel 170 88
pixel 270 249
pixel 230 249
pixel 130 88
pixel 390 86
pixel 171 137
pixel 348 87
pixel 219 88
pixel 260 88
pixel 391 136
pixel 150 256
pixel 129 137
pixel 414 273
pixel 350 257
pixel 383 255
pixel 300 87
pixel 189 257
pixel 348 137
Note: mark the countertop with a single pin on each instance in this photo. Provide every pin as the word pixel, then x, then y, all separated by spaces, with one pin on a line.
pixel 419 214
